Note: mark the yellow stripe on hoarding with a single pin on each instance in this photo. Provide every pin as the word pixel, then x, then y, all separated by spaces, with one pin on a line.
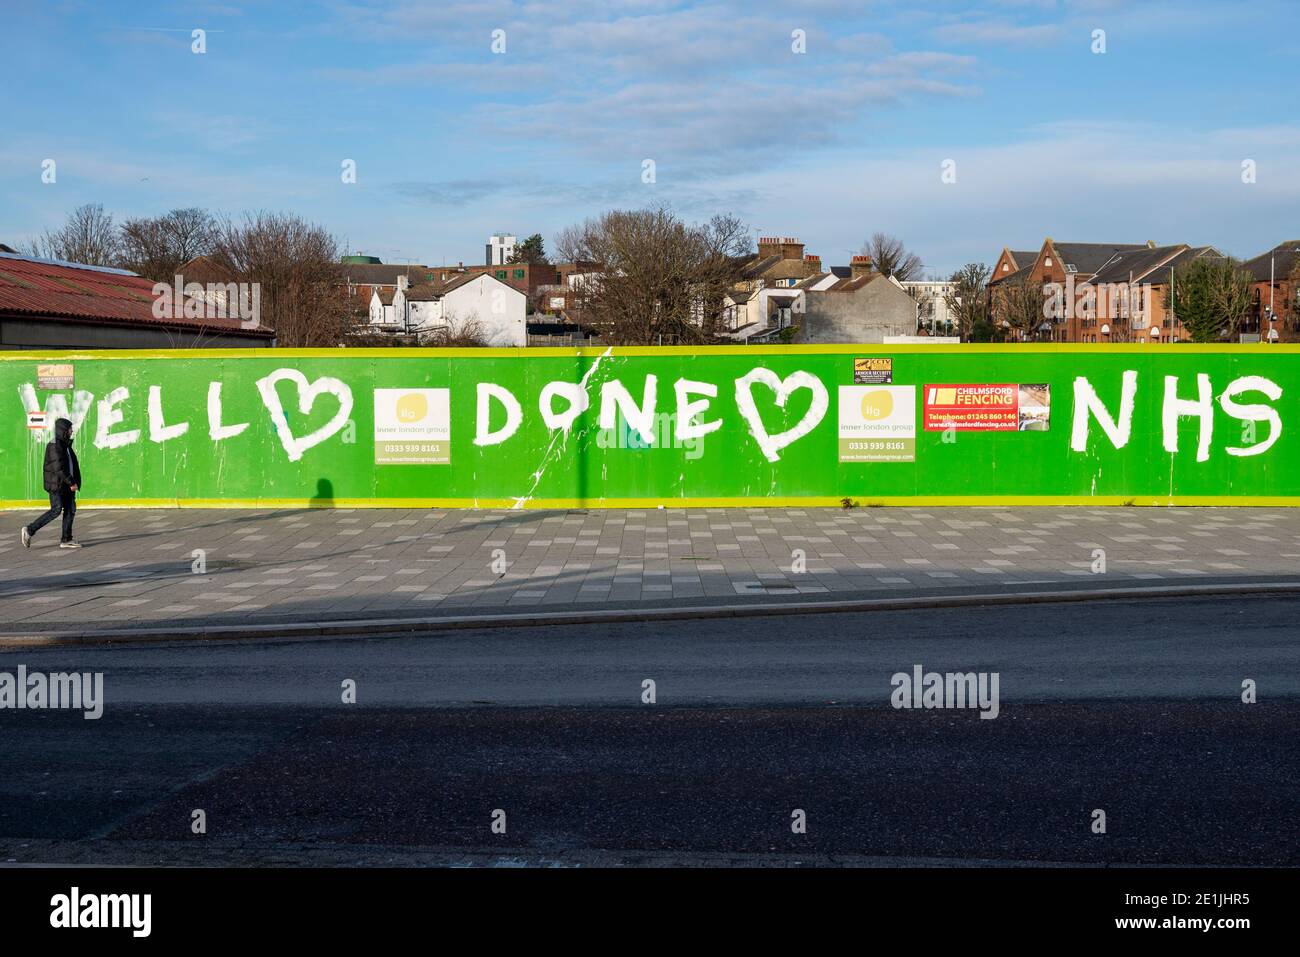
pixel 926 501
pixel 863 349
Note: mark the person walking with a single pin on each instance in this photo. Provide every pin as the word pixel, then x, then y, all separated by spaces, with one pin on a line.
pixel 63 481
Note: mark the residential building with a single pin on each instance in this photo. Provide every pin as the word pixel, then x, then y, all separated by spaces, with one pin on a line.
pixel 769 290
pixel 362 275
pixel 1011 263
pixel 494 310
pixel 1275 313
pixel 500 247
pixel 1117 292
pixel 1101 273
pixel 865 307
pixel 50 304
pixel 1074 263
pixel 1128 294
pixel 528 278
pixel 564 296
pixel 383 314
pixel 931 298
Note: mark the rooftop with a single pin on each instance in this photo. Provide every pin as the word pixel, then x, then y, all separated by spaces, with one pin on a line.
pixel 45 287
pixel 1280 262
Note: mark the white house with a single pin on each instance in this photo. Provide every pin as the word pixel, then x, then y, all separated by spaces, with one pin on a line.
pixel 760 312
pixel 750 313
pixel 768 296
pixel 382 311
pixel 931 302
pixel 496 310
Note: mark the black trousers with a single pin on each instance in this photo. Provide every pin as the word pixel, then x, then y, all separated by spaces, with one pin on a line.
pixel 65 501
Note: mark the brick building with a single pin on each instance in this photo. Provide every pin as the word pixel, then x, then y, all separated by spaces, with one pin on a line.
pixel 362 276
pixel 1106 292
pixel 1276 306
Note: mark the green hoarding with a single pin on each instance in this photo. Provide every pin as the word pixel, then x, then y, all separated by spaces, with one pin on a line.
pixel 643 427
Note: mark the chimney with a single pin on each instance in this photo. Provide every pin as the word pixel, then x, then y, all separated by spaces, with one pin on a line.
pixel 860 266
pixel 791 248
pixel 814 264
pixel 769 246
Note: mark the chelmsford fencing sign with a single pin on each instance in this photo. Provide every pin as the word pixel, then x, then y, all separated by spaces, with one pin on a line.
pixel 640 427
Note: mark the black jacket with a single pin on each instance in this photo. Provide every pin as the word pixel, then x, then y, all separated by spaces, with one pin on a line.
pixel 62 470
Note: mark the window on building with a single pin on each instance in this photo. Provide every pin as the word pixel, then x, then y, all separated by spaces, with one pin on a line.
pixel 519 274
pixel 501 274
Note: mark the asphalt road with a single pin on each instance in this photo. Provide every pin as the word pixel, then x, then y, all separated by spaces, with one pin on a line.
pixel 1129 707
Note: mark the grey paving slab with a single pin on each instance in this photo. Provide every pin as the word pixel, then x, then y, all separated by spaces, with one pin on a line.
pixel 139 565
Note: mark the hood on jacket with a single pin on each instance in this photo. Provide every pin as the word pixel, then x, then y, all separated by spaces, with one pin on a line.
pixel 63 431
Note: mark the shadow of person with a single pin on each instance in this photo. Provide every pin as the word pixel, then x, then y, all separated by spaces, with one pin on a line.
pixel 324 497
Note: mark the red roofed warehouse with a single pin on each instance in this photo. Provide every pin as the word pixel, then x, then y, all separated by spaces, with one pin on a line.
pixel 46 304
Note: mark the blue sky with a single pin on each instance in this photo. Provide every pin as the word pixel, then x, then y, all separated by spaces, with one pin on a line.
pixel 453 141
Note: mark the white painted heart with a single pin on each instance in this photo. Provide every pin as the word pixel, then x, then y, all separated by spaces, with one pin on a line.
pixel 308 393
pixel 771 445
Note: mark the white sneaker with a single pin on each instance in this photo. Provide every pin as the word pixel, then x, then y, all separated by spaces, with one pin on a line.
pixel 27 538
pixel 69 544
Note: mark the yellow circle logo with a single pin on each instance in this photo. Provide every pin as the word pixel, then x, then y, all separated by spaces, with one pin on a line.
pixel 412 407
pixel 877 405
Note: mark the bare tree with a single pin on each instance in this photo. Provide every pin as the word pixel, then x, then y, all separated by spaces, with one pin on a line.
pixel 1019 303
pixel 891 258
pixel 296 265
pixel 967 299
pixel 156 247
pixel 660 280
pixel 87 237
pixel 457 332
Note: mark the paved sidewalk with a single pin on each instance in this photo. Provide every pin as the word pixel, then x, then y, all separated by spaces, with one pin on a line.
pixel 137 569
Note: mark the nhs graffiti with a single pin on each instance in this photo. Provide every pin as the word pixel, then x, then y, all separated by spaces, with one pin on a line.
pixel 1118 427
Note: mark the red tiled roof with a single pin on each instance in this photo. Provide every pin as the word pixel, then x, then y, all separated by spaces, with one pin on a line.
pixel 41 288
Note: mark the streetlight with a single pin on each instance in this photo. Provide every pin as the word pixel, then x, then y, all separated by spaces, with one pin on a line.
pixel 1272 281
